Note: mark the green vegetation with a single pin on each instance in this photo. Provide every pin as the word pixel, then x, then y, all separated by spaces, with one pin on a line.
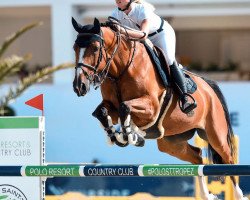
pixel 13 64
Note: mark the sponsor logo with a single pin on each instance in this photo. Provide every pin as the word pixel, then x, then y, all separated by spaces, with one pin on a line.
pixel 10 192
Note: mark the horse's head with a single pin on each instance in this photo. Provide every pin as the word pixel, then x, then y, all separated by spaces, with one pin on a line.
pixel 95 58
pixel 88 49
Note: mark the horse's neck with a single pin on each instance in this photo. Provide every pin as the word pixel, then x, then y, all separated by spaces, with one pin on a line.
pixel 123 54
pixel 128 53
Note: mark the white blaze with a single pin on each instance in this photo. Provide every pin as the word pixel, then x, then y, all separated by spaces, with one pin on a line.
pixel 81 54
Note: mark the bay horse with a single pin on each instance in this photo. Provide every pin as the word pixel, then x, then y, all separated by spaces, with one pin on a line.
pixel 133 95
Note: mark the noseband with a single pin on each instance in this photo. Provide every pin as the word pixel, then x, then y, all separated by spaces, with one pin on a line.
pixel 96 77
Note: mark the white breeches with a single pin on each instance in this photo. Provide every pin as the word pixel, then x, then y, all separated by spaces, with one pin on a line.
pixel 166 40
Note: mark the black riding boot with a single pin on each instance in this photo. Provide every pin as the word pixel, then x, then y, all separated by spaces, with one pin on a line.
pixel 179 80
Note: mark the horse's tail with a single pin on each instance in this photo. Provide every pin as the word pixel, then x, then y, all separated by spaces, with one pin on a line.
pixel 212 154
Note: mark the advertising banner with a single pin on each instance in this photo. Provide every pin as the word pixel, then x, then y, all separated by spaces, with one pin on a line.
pixel 21 143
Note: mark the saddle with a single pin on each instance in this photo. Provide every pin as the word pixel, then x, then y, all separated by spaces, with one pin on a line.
pixel 162 68
pixel 155 130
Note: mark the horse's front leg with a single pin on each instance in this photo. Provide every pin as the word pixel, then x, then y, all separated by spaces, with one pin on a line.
pixel 103 113
pixel 143 110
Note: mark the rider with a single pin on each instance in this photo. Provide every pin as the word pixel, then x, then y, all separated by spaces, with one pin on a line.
pixel 140 16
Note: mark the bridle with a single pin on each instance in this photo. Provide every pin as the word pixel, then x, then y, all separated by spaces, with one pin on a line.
pixel 97 78
pixel 90 67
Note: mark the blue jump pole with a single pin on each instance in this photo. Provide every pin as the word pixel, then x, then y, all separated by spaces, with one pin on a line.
pixel 226 170
pixel 125 170
pixel 10 170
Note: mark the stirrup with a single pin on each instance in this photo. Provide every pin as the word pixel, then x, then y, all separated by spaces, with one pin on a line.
pixel 190 106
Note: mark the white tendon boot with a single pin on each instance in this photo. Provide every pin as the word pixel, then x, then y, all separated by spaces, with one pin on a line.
pixel 132 137
pixel 108 139
pixel 129 133
pixel 205 195
pixel 238 194
pixel 111 129
pixel 119 135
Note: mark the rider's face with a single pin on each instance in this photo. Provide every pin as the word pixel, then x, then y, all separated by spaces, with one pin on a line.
pixel 122 3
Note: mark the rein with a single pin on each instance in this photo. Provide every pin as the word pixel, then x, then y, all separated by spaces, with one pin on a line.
pixel 115 80
pixel 111 24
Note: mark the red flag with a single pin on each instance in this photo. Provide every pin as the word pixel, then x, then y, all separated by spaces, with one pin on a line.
pixel 36 102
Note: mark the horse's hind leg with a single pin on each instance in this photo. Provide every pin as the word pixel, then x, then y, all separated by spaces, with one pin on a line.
pixel 237 191
pixel 184 151
pixel 180 149
pixel 221 148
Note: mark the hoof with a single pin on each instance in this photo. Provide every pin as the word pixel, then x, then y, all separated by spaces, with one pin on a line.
pixel 121 144
pixel 136 139
pixel 242 198
pixel 140 142
pixel 120 138
pixel 210 197
pixel 112 140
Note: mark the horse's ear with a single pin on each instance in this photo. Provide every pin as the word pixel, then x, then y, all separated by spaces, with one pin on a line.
pixel 97 25
pixel 77 26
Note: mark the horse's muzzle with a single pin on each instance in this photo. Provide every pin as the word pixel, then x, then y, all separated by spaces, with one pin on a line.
pixel 80 88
